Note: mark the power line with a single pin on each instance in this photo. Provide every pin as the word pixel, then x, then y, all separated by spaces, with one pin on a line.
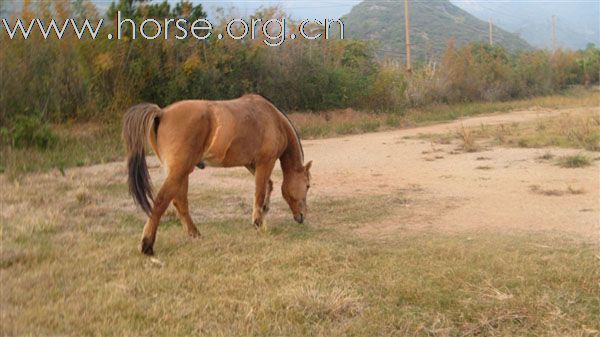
pixel 491 33
pixel 407 34
pixel 554 33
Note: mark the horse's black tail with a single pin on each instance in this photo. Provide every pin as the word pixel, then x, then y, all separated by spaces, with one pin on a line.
pixel 139 122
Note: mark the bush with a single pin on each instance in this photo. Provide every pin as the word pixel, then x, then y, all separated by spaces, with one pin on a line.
pixel 30 131
pixel 532 74
pixel 475 72
pixel 388 92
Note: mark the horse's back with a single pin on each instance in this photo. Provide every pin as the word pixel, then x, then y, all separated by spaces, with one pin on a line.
pixel 236 132
pixel 246 130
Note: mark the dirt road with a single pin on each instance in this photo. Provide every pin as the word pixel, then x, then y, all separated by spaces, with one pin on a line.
pixel 445 190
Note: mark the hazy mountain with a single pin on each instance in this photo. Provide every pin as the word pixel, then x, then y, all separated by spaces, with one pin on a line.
pixel 5 7
pixel 433 24
pixel 300 10
pixel 297 9
pixel 578 21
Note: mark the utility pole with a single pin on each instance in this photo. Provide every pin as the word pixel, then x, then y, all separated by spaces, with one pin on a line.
pixel 407 32
pixel 554 33
pixel 491 33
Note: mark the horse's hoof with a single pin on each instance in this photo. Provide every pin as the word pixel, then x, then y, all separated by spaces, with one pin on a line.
pixel 194 234
pixel 146 247
pixel 257 224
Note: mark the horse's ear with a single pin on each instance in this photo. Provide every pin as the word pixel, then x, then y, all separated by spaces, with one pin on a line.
pixel 307 166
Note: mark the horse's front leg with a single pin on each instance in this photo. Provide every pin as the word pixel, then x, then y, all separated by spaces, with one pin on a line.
pixel 268 196
pixel 263 187
pixel 267 201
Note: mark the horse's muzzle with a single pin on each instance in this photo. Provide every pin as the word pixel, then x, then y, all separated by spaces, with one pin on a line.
pixel 299 217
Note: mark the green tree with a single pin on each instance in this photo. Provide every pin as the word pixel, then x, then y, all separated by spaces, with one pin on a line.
pixel 187 10
pixel 589 62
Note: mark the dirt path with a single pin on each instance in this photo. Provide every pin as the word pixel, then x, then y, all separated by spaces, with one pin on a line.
pixel 455 194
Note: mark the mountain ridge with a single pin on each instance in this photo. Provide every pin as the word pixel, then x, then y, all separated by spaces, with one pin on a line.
pixel 433 25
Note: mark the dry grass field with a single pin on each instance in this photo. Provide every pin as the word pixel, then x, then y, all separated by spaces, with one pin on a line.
pixel 409 232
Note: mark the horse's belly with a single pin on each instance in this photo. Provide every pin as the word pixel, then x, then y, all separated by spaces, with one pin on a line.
pixel 213 159
pixel 229 157
pixel 212 162
pixel 234 145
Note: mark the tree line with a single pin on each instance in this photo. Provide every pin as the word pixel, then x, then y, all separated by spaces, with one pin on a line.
pixel 66 80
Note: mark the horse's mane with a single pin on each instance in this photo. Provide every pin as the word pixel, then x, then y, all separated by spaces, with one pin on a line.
pixel 291 124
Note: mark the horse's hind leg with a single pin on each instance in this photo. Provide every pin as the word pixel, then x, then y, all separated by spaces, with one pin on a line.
pixel 181 204
pixel 167 192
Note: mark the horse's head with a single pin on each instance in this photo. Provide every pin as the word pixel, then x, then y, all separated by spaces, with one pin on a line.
pixel 294 189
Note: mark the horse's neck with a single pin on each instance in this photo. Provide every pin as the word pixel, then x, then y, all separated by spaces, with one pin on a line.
pixel 292 156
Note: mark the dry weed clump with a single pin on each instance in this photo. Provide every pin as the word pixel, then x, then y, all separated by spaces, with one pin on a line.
pixel 316 304
pixel 556 192
pixel 468 140
pixel 573 130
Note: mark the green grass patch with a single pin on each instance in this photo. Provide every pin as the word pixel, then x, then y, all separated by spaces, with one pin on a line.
pixel 575 161
pixel 77 145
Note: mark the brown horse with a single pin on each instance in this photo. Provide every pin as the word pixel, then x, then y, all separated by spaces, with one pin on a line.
pixel 248 131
